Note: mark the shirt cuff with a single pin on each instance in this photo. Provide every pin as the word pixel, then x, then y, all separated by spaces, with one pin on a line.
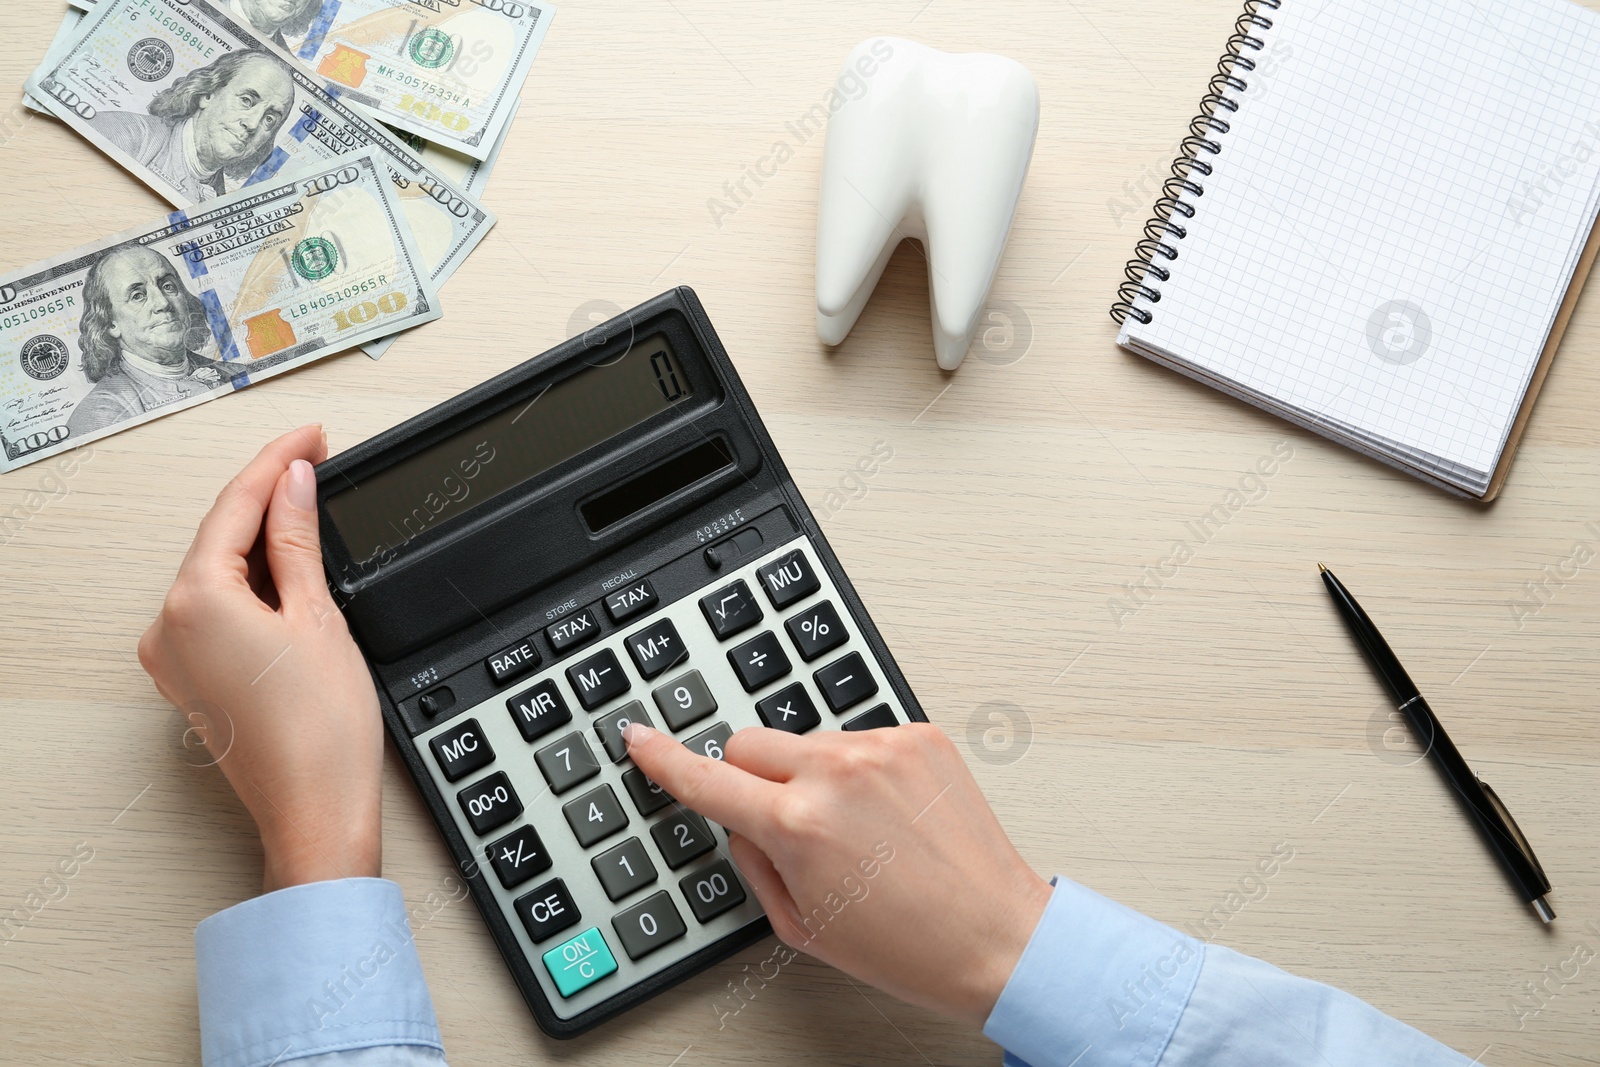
pixel 315 968
pixel 1098 984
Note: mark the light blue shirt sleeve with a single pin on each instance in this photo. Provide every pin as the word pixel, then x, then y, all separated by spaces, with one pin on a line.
pixel 1100 985
pixel 324 974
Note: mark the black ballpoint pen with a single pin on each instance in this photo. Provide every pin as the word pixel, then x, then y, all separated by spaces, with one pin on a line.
pixel 1496 823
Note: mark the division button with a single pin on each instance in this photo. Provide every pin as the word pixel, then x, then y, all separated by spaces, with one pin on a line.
pixel 759 661
pixel 656 648
pixel 681 837
pixel 631 600
pixel 789 579
pixel 817 631
pixel 712 890
pixel 598 679
pixel 609 727
pixel 790 708
pixel 730 610
pixel 539 710
pixel 684 700
pixel 491 803
pixel 624 869
pixel 648 925
pixel 573 630
pixel 513 661
pixel 845 682
pixel 548 910
pixel 648 797
pixel 595 815
pixel 712 743
pixel 876 719
pixel 566 762
pixel 578 964
pixel 518 856
pixel 461 750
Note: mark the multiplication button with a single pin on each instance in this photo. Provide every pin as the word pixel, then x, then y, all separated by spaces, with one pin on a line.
pixel 598 679
pixel 684 700
pixel 845 682
pixel 656 648
pixel 577 964
pixel 648 925
pixel 490 803
pixel 759 661
pixel 566 762
pixel 817 631
pixel 712 891
pixel 790 709
pixel 789 579
pixel 461 750
pixel 731 610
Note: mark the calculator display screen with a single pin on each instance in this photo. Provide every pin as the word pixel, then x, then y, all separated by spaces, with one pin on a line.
pixel 444 481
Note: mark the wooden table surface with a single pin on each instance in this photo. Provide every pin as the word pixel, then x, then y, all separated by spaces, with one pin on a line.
pixel 1154 754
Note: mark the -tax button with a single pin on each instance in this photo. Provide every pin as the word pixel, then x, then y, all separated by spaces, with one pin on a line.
pixel 461 750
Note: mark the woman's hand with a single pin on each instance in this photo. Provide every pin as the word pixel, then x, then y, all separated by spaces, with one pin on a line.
pixel 874 851
pixel 249 639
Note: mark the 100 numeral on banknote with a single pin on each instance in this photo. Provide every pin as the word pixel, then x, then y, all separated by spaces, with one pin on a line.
pixel 177 313
pixel 197 104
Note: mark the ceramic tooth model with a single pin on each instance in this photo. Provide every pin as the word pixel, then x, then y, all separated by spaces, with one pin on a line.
pixel 936 148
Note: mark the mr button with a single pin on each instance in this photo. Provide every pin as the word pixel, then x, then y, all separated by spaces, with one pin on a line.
pixel 461 750
pixel 512 662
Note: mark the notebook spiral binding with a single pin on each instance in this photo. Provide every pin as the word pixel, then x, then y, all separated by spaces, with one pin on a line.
pixel 1205 126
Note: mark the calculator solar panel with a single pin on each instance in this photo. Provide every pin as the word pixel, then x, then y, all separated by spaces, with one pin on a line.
pixel 604 534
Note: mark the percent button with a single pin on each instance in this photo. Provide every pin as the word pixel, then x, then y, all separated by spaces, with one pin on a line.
pixel 817 631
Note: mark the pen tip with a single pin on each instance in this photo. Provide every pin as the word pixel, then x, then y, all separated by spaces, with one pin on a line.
pixel 1323 567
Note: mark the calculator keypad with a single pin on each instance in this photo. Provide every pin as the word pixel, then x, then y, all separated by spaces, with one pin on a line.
pixel 617 866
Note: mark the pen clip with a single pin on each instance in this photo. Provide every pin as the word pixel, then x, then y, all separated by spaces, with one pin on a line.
pixel 1516 831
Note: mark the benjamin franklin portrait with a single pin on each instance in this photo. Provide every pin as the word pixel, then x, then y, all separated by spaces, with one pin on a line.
pixel 213 125
pixel 140 329
pixel 279 19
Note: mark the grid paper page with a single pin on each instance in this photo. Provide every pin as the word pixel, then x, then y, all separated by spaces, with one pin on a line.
pixel 1438 156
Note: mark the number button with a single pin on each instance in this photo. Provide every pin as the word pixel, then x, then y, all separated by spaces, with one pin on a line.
pixel 461 750
pixel 759 661
pixel 790 708
pixel 817 631
pixel 567 762
pixel 547 911
pixel 624 869
pixel 876 719
pixel 609 727
pixel 490 803
pixel 684 700
pixel 845 682
pixel 518 856
pixel 578 964
pixel 712 891
pixel 789 579
pixel 730 610
pixel 539 710
pixel 712 742
pixel 681 837
pixel 656 648
pixel 595 815
pixel 648 797
pixel 648 925
pixel 598 679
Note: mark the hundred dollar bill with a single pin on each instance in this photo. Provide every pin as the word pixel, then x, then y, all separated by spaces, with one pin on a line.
pixel 200 304
pixel 58 45
pixel 196 104
pixel 447 70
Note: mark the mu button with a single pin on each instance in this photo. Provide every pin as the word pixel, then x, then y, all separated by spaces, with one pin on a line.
pixel 788 579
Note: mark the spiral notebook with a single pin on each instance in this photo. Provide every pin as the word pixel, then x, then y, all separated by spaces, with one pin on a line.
pixel 1380 222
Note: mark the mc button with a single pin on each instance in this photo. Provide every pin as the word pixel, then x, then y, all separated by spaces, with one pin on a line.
pixel 461 750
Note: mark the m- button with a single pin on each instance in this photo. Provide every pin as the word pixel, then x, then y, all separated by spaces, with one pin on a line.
pixel 598 679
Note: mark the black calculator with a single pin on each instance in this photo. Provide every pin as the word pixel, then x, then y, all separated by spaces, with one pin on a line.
pixel 601 535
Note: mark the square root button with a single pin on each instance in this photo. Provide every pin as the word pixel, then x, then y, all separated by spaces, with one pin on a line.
pixel 577 964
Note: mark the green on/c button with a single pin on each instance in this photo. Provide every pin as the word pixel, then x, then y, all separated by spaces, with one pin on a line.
pixel 581 962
